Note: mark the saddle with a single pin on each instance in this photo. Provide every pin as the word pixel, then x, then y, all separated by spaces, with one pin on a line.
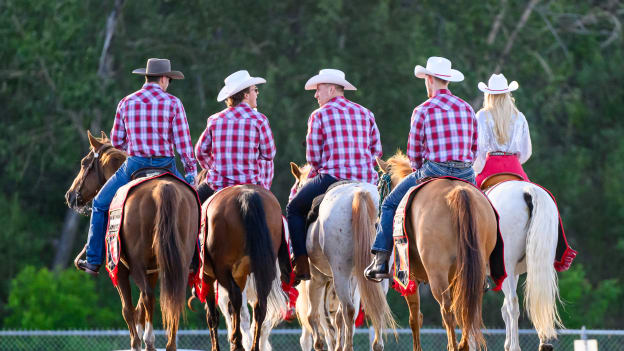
pixel 148 172
pixel 316 202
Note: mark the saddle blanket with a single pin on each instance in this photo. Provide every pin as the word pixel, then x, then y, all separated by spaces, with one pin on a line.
pixel 401 276
pixel 564 255
pixel 115 218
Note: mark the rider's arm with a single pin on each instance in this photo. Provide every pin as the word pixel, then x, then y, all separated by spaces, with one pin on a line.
pixel 416 139
pixel 267 144
pixel 203 148
pixel 182 139
pixel 375 146
pixel 314 142
pixel 475 135
pixel 525 145
pixel 118 133
pixel 479 161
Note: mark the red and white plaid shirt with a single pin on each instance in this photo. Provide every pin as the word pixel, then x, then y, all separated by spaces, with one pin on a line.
pixel 149 122
pixel 237 147
pixel 443 128
pixel 343 141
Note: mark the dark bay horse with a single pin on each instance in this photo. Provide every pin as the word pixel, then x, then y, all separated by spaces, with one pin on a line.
pixel 451 235
pixel 243 236
pixel 159 230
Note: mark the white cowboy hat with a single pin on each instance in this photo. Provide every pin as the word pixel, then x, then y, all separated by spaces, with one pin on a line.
pixel 498 85
pixel 236 82
pixel 439 67
pixel 328 75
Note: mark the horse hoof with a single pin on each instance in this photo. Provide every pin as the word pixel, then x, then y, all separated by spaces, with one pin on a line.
pixel 546 347
pixel 378 347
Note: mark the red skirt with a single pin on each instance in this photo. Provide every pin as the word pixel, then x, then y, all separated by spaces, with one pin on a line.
pixel 501 164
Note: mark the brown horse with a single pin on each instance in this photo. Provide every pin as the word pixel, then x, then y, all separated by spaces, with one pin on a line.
pixel 243 236
pixel 159 231
pixel 451 234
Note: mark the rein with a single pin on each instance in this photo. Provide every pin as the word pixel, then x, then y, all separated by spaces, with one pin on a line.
pixel 384 185
pixel 102 179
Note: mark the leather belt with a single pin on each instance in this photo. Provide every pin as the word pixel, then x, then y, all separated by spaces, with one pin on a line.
pixel 454 164
pixel 500 153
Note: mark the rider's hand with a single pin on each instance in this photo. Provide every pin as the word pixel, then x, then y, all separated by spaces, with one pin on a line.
pixel 190 178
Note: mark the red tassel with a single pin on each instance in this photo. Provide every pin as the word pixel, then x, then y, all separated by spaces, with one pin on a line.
pixel 359 321
pixel 409 290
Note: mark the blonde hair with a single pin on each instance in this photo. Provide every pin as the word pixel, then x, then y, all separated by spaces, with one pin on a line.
pixel 502 109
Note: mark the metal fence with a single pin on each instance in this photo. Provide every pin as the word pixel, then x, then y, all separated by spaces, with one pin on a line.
pixel 284 339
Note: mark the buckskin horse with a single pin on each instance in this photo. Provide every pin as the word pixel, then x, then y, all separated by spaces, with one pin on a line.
pixel 244 234
pixel 338 245
pixel 451 234
pixel 159 230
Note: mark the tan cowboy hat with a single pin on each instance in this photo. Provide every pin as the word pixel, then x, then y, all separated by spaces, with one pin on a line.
pixel 236 82
pixel 158 67
pixel 331 76
pixel 439 67
pixel 498 85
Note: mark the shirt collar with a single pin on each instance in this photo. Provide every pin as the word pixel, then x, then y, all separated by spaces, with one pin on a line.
pixel 151 86
pixel 442 92
pixel 335 99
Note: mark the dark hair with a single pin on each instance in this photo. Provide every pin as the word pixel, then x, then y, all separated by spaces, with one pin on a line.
pixel 152 79
pixel 440 81
pixel 236 99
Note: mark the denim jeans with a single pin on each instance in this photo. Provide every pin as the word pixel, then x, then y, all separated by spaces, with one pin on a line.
pixel 383 240
pixel 298 208
pixel 102 201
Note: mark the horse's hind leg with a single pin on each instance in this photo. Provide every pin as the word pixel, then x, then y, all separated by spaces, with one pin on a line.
pixel 511 311
pixel 439 289
pixel 125 293
pixel 342 284
pixel 234 308
pixel 415 317
pixel 212 315
pixel 148 299
pixel 316 288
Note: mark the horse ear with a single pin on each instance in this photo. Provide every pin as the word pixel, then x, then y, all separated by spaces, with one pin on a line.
pixel 294 169
pixel 93 140
pixel 383 165
pixel 104 137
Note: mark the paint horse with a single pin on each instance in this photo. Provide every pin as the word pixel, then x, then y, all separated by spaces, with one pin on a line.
pixel 159 230
pixel 452 232
pixel 338 245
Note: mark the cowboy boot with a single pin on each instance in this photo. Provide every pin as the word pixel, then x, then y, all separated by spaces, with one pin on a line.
pixel 92 269
pixel 302 268
pixel 380 267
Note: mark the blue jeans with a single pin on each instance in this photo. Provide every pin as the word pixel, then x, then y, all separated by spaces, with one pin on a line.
pixel 102 201
pixel 298 208
pixel 383 240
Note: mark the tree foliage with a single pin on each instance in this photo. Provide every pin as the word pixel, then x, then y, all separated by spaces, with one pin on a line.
pixel 566 55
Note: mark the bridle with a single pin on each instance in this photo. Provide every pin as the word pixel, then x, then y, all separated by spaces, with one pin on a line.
pixel 95 160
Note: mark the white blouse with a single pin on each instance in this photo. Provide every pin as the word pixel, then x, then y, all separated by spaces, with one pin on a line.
pixel 519 142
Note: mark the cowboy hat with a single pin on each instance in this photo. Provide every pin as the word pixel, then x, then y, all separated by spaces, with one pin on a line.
pixel 439 67
pixel 331 76
pixel 236 82
pixel 498 85
pixel 158 67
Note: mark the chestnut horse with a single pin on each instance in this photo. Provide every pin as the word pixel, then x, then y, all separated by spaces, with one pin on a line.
pixel 243 236
pixel 451 235
pixel 159 230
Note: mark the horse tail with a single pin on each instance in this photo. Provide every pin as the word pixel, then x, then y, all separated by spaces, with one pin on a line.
pixel 467 285
pixel 167 245
pixel 258 243
pixel 540 291
pixel 364 214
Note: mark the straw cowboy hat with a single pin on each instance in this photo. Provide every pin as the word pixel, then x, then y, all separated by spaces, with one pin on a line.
pixel 158 67
pixel 439 67
pixel 498 85
pixel 236 82
pixel 331 76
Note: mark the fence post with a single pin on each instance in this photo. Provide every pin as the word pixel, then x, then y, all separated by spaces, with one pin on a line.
pixel 371 337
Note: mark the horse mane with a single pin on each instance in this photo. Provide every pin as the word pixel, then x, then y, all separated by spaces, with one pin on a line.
pixel 112 156
pixel 399 167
